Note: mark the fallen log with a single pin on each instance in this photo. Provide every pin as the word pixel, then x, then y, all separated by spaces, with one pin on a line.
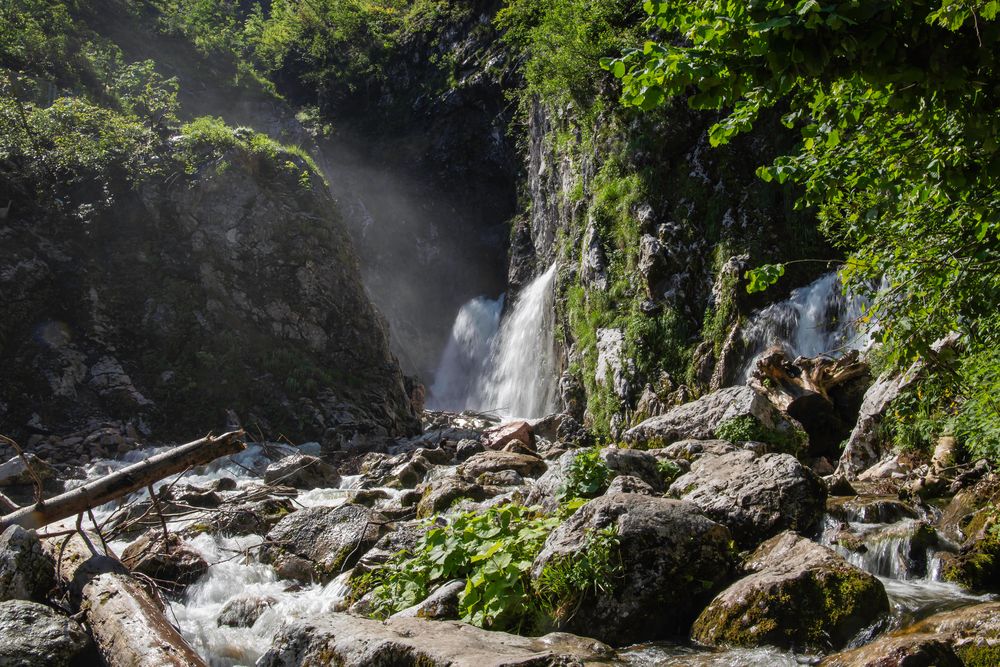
pixel 125 481
pixel 126 621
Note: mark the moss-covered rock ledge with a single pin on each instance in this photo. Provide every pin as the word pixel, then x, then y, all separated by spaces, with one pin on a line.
pixel 219 283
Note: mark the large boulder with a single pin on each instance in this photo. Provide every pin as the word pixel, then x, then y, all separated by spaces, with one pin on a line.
pixel 33 635
pixel 243 610
pixel 349 641
pixel 172 563
pixel 673 558
pixel 302 472
pixel 492 461
pixel 26 571
pixel 799 595
pixel 318 543
pixel 256 517
pixel 15 472
pixel 498 436
pixel 701 419
pixel 755 495
pixel 966 636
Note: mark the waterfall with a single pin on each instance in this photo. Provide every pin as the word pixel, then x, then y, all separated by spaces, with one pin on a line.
pixel 510 369
pixel 816 319
pixel 466 353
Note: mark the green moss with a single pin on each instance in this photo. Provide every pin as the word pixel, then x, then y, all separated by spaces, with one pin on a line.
pixel 979 654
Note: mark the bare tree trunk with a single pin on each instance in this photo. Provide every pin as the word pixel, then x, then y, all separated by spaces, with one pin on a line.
pixel 127 622
pixel 125 481
pixel 803 380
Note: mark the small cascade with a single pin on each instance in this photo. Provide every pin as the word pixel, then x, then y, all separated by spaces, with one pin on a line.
pixel 507 367
pixel 906 557
pixel 816 319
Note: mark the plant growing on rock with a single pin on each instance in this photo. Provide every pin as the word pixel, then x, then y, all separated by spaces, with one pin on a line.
pixel 587 476
pixel 493 552
pixel 746 428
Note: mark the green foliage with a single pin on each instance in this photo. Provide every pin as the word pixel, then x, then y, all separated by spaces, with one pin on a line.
pixel 587 476
pixel 764 276
pixel 563 39
pixel 747 428
pixel 669 470
pixel 207 139
pixel 895 106
pixel 565 582
pixel 493 551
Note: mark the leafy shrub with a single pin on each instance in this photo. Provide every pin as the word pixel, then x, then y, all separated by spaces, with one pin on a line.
pixel 668 470
pixel 587 475
pixel 746 428
pixel 564 582
pixel 493 551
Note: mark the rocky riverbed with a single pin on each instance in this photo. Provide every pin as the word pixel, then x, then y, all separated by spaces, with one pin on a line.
pixel 725 552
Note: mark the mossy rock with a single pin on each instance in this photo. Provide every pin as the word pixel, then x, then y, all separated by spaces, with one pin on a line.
pixel 800 596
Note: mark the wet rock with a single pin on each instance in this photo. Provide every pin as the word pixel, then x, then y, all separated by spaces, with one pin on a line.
pixel 302 472
pixel 493 461
pixel 171 562
pixel 26 571
pixel 699 419
pixel 498 436
pixel 14 472
pixel 756 497
pixel 253 518
pixel 673 559
pixel 800 595
pixel 629 484
pixel 33 635
pixel 870 509
pixel 318 543
pixel 440 605
pixel 243 610
pixel 839 485
pixel 349 641
pixel 440 494
pixel 966 636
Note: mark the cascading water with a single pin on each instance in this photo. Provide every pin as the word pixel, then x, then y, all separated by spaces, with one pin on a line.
pixel 816 319
pixel 512 371
pixel 465 356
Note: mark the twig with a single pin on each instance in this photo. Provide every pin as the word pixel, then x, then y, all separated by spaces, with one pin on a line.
pixel 159 511
pixel 27 465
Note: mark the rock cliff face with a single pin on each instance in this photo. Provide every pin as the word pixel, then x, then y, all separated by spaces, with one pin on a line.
pixel 234 288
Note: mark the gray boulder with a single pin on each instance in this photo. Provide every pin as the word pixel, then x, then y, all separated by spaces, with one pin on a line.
pixel 243 610
pixel 318 543
pixel 26 571
pixel 966 636
pixel 629 484
pixel 14 472
pixel 800 596
pixel 699 419
pixel 440 605
pixel 635 463
pixel 525 465
pixel 302 472
pixel 673 558
pixel 755 496
pixel 349 641
pixel 172 563
pixel 33 635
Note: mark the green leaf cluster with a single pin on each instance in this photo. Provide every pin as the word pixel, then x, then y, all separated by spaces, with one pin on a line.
pixel 587 475
pixel 493 552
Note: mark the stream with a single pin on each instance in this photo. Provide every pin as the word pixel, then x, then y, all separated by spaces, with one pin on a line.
pixel 892 550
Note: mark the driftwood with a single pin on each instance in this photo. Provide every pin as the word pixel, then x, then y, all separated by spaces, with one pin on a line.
pixel 125 481
pixel 125 619
pixel 805 380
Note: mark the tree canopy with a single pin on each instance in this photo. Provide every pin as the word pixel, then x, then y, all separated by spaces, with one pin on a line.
pixel 896 102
